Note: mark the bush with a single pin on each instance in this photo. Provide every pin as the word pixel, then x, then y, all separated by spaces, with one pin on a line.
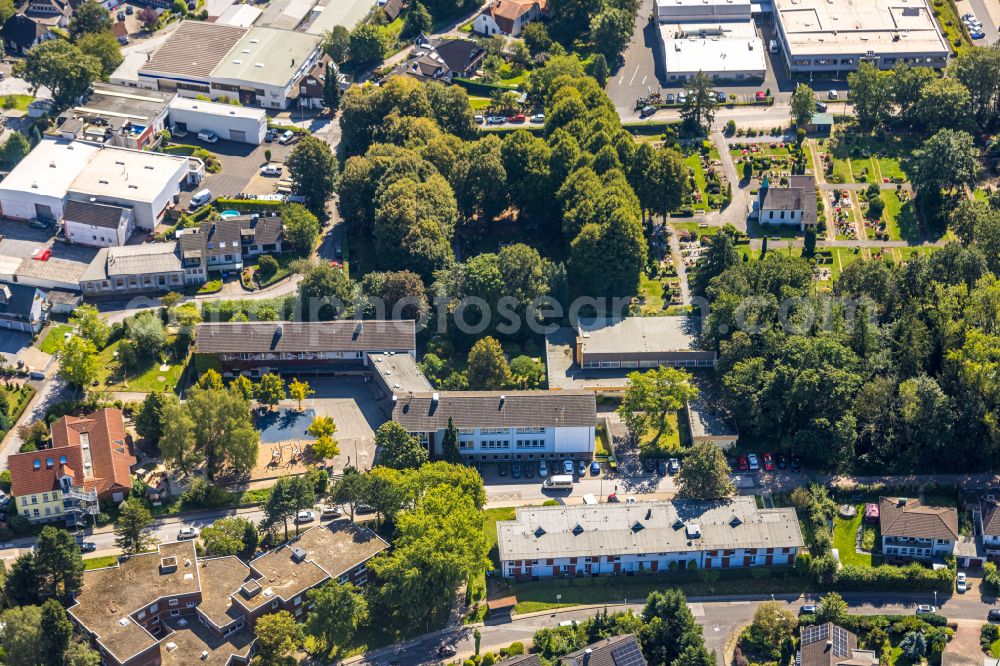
pixel 5 480
pixel 991 579
pixel 912 577
pixel 515 649
pixel 987 635
pixel 204 495
pixel 267 266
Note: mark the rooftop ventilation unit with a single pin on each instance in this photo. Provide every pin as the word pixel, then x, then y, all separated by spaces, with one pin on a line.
pixel 168 565
pixel 299 554
pixel 250 589
pixel 693 530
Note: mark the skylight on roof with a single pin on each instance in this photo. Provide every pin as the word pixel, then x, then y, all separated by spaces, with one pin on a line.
pixel 578 530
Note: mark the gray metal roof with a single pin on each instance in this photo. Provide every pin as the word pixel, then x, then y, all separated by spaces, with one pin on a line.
pixel 194 49
pixel 144 259
pixel 299 336
pixel 638 334
pixel 400 373
pixel 654 527
pixel 420 412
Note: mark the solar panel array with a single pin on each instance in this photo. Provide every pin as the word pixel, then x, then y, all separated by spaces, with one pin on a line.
pixel 815 633
pixel 628 655
pixel 840 644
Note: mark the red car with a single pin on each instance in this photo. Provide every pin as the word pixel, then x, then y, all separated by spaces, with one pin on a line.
pixel 768 463
pixel 742 463
pixel 517 118
pixel 760 96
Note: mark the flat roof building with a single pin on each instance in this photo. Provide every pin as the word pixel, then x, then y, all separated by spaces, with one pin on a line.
pixel 127 117
pixel 717 37
pixel 640 342
pixel 242 124
pixel 833 37
pixel 398 373
pixel 57 170
pixel 253 65
pixel 627 538
pixel 131 269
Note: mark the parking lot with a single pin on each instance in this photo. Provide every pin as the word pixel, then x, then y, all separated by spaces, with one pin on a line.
pixel 241 164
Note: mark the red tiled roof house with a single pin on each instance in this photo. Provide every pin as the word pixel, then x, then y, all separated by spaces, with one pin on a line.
pixel 89 463
pixel 508 17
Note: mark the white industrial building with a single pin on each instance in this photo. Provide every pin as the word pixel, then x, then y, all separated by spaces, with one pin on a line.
pixel 616 539
pixel 234 123
pixel 254 65
pixel 833 37
pixel 717 37
pixel 57 171
pixel 97 224
pixel 499 425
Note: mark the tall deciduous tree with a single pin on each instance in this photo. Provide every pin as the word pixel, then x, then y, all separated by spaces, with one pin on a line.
pixel 132 533
pixel 337 611
pixel 302 228
pixel 325 292
pixel 230 536
pixel 803 104
pixel 313 168
pixel 223 430
pixel 705 473
pixel 22 635
pixel 89 18
pixel 61 67
pixel 772 626
pixel 278 637
pixel 397 448
pixel 271 389
pixel 487 368
pixel 104 47
pixel 86 319
pixel 652 396
pixel 323 429
pixel 871 93
pixel 352 489
pixel 299 390
pixel 669 629
pixel 699 108
pixel 149 420
pixel 78 362
pixel 177 440
pixel 55 635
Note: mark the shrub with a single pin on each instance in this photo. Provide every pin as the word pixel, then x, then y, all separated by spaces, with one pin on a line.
pixel 991 579
pixel 988 634
pixel 913 577
pixel 267 266
pixel 515 649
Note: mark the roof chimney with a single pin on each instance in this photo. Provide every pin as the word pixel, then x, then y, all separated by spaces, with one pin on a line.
pixel 586 656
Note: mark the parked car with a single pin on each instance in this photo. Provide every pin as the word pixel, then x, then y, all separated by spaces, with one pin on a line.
pixel 647 111
pixel 796 464
pixel 768 463
pixel 661 467
pixel 648 465
pixel 208 136
pixel 87 546
pixel 961 584
pixel 327 511
pixel 447 650
pixel 833 94
pixel 517 118
pixel 808 609
pixel 782 461
pixel 760 96
pixel 742 463
pixel 977 34
pixel 682 97
pixel 543 469
pixel 595 468
pixel 286 137
pixel 753 462
pixel 270 170
pixel 567 466
pixel 671 98
pixel 496 120
pixel 480 119
pixel 538 118
pixel 200 198
pixel 187 533
pixel 502 469
pixel 364 508
pixel 673 465
pixel 721 96
pixel 529 470
pixel 924 609
pixel 993 615
pixel 515 470
pixel 306 516
pixel 821 107
pixel 581 468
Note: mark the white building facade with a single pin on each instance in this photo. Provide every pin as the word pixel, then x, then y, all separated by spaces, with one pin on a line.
pixel 227 121
pixel 717 37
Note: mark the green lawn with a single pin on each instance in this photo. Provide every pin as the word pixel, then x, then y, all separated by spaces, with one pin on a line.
pixel 841 172
pixel 19 102
pixel 668 443
pixel 862 170
pixel 947 17
pixel 477 587
pixel 844 534
pixel 696 228
pixel 479 103
pixel 53 340
pixel 891 214
pixel 541 595
pixel 891 168
pixel 99 562
pixel 693 162
pixel 147 381
pixel 652 290
pixel 995 649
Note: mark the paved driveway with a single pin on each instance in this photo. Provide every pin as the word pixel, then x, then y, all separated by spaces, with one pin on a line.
pixel 351 402
pixel 240 163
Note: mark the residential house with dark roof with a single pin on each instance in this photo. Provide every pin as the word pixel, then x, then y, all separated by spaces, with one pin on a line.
pixel 318 347
pixel 503 425
pixel 612 651
pixel 792 205
pixel 508 17
pixel 312 83
pixel 392 8
pixel 830 645
pixel 50 12
pixel 136 269
pixel 616 538
pixel 89 462
pixel 97 224
pixel 442 59
pixel 22 307
pixel 224 244
pixel 20 33
pixel 989 527
pixel 912 530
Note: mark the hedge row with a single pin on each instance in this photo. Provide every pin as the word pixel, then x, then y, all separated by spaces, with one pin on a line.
pixel 248 205
pixel 481 89
pixel 912 577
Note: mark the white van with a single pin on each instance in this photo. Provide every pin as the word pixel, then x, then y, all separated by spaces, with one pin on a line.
pixel 773 46
pixel 200 198
pixel 589 499
pixel 558 482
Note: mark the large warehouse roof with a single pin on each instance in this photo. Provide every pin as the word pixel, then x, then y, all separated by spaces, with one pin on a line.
pixel 638 334
pixel 129 174
pixel 194 49
pixel 849 26
pixel 267 56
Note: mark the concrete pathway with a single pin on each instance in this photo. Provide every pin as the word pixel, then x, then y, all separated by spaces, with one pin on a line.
pixel 736 212
pixel 675 255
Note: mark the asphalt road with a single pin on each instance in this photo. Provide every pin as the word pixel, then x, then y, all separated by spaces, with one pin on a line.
pixel 719 617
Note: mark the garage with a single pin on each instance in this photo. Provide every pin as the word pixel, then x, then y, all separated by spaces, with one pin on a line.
pixel 227 121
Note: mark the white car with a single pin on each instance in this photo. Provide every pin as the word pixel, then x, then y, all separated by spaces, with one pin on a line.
pixel 286 137
pixel 328 511
pixel 543 469
pixel 270 170
pixel 833 94
pixel 631 499
pixel 208 136
pixel 961 584
pixel 538 118
pixel 306 516
pixel 188 533
pixel 754 464
pixel 924 609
